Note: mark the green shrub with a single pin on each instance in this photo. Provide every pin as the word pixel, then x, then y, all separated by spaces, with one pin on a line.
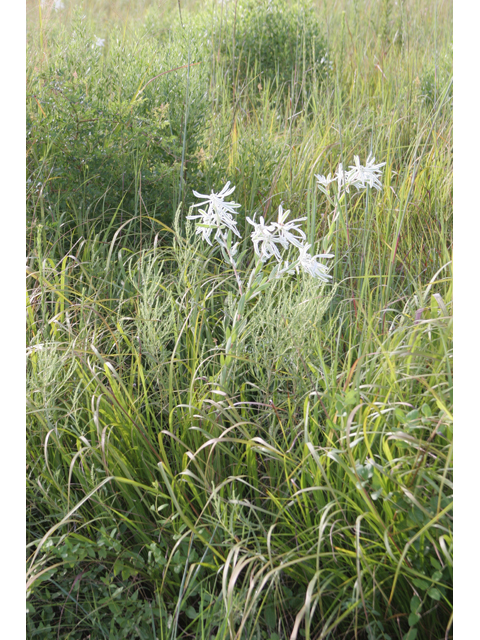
pixel 280 40
pixel 102 133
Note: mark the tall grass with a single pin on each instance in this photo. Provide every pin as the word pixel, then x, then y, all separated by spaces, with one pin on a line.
pixel 301 484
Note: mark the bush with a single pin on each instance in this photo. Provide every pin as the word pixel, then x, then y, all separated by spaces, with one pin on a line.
pixel 277 39
pixel 101 134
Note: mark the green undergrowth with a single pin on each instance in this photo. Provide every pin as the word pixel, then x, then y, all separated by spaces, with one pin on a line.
pixel 298 484
pixel 319 473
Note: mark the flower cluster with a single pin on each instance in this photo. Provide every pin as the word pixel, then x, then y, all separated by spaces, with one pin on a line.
pixel 358 176
pixel 217 216
pixel 280 232
pixel 267 238
pixel 264 240
pixel 309 264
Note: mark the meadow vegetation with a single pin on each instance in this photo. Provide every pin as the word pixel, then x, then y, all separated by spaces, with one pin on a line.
pixel 203 463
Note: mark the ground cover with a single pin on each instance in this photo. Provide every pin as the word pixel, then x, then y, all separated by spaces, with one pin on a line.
pixel 202 462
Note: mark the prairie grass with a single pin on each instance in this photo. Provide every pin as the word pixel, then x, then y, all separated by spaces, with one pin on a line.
pixel 300 483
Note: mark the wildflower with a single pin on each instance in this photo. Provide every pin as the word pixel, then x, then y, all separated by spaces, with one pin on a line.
pixel 310 265
pixel 215 200
pixel 264 236
pixel 211 221
pixel 206 226
pixel 99 42
pixel 323 181
pixel 285 228
pixel 342 179
pixel 361 176
pixel 216 216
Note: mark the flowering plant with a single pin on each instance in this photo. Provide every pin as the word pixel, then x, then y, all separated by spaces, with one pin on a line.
pixel 215 221
pixel 266 238
pixel 358 176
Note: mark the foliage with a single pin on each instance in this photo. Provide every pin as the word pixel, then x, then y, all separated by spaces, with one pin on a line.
pixel 275 40
pixel 297 484
pixel 106 124
pixel 435 83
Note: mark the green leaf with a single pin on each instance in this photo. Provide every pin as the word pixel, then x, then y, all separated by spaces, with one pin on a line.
pixel 411 635
pixel 351 398
pixel 412 415
pixel 117 567
pixel 427 412
pixel 420 584
pixel 117 592
pixel 434 594
pixel 127 572
pixel 413 618
pixel 415 604
pixel 191 613
pixel 270 617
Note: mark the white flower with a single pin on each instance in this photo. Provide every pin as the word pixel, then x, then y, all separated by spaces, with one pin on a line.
pixel 206 226
pixel 99 42
pixel 264 236
pixel 360 176
pixel 285 228
pixel 342 179
pixel 310 265
pixel 323 181
pixel 216 216
pixel 215 200
pixel 211 220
